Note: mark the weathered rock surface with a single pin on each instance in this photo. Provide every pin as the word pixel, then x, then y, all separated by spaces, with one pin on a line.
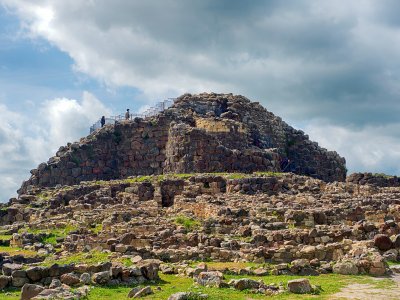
pixel 187 296
pixel 30 290
pixel 299 286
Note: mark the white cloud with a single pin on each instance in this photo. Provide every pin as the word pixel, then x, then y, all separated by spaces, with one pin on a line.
pixel 367 149
pixel 27 141
pixel 68 118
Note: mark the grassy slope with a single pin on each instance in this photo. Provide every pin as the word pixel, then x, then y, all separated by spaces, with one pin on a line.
pixel 169 284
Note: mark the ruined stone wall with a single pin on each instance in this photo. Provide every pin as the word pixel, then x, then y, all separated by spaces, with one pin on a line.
pixel 191 149
pixel 199 133
pixel 380 180
pixel 265 130
pixel 309 159
pixel 126 149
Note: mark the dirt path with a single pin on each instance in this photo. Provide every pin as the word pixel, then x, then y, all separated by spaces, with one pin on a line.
pixel 369 291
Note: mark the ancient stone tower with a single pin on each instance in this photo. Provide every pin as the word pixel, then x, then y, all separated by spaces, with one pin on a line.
pixel 199 133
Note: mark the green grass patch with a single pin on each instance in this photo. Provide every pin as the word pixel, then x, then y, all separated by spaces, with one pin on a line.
pixel 383 175
pixel 51 233
pixel 189 223
pixel 17 251
pixel 44 196
pixel 125 261
pixel 183 176
pixel 220 266
pixel 98 228
pixel 92 257
pixel 169 284
pixel 10 294
pixel 269 174
pixel 5 237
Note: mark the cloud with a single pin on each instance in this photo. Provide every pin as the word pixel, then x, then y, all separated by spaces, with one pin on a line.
pixel 368 149
pixel 27 141
pixel 304 59
pixel 69 119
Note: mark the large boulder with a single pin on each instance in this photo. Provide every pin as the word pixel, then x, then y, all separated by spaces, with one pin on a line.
pixel 396 241
pixel 35 274
pixel 383 242
pixel 30 290
pixel 149 268
pixel 62 292
pixel 4 281
pixel 101 277
pixel 187 296
pixel 345 268
pixel 299 286
pixel 211 278
pixel 19 278
pixel 141 292
pixel 9 268
pixel 70 279
pixel 244 284
pixel 85 278
pixel 378 267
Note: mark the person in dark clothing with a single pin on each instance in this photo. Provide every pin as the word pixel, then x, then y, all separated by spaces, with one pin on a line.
pixel 103 121
pixel 284 164
pixel 127 114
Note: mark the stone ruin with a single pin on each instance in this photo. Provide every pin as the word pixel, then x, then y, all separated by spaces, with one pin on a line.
pixel 199 182
pixel 198 134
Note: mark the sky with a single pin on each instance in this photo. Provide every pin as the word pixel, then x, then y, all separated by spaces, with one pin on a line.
pixel 329 68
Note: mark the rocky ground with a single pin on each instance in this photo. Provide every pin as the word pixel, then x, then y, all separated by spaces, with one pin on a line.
pixel 154 232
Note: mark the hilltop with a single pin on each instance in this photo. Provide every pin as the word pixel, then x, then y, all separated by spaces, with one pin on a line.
pixel 199 133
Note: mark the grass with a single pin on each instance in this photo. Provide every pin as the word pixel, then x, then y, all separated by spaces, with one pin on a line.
pixel 98 228
pixel 52 234
pixel 268 174
pixel 44 196
pixel 10 294
pixel 383 175
pixel 92 257
pixel 127 262
pixel 220 266
pixel 189 223
pixel 5 237
pixel 17 251
pixel 184 176
pixel 169 284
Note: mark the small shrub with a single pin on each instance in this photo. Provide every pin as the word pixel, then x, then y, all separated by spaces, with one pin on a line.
pixel 51 234
pixel 97 228
pixel 189 223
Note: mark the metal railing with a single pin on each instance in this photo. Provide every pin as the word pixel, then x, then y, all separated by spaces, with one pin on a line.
pixel 152 111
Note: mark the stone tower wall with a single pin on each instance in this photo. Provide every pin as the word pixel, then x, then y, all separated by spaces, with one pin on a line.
pixel 200 133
